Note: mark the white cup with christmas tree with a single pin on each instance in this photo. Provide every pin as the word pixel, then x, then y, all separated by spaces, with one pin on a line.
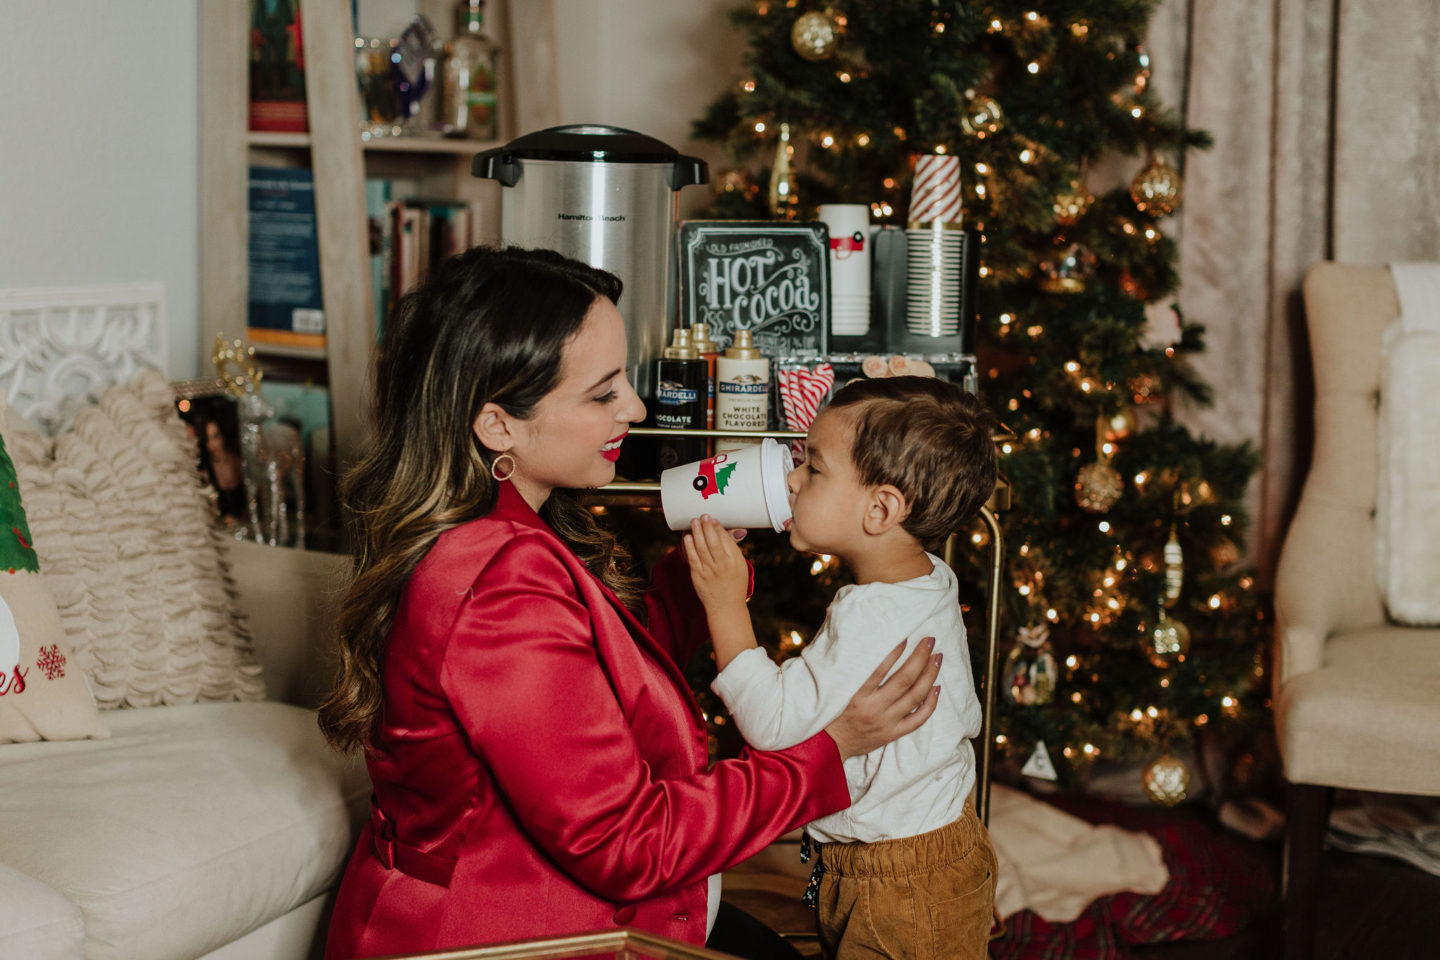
pixel 741 488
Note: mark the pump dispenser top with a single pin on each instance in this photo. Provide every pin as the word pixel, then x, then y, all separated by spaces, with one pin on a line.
pixel 743 347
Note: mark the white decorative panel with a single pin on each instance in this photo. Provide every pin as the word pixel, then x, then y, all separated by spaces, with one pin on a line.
pixel 60 349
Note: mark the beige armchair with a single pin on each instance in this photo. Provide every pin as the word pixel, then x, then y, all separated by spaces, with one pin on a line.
pixel 1357 697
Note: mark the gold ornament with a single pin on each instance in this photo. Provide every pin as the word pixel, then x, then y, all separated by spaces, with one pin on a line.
pixel 815 35
pixel 736 181
pixel 1030 671
pixel 1225 553
pixel 784 194
pixel 1068 270
pixel 1167 780
pixel 1146 388
pixel 1132 287
pixel 980 116
pixel 1072 202
pixel 1158 188
pixel 1098 486
pixel 1167 640
pixel 1174 568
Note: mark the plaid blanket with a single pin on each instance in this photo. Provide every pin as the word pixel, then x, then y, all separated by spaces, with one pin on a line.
pixel 1219 884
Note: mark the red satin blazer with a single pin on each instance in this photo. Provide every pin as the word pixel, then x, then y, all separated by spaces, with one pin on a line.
pixel 540 765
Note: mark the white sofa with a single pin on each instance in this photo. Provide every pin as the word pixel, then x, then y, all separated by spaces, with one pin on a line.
pixel 215 830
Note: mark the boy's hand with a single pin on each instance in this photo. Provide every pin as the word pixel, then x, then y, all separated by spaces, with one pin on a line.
pixel 717 567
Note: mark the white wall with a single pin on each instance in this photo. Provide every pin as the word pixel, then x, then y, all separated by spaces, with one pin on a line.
pixel 98 146
pixel 649 65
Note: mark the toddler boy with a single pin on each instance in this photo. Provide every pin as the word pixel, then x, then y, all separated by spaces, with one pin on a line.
pixel 892 467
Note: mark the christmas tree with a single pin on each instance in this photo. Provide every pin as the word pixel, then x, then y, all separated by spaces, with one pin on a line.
pixel 1134 628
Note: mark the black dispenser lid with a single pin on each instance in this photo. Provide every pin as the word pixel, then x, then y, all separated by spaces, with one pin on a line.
pixel 586 143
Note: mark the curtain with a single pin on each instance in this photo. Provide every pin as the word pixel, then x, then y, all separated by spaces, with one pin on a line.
pixel 1326 118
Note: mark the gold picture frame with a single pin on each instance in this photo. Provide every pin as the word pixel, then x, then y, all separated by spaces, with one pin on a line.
pixel 600 945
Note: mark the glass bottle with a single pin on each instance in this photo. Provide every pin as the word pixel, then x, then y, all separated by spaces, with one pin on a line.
pixel 469 99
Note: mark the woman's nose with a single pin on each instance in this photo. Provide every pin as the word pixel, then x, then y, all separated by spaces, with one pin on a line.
pixel 634 410
pixel 792 482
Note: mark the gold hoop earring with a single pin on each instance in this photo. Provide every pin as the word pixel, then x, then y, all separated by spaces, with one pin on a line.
pixel 495 468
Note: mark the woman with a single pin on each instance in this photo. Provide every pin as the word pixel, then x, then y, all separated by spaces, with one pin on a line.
pixel 227 469
pixel 539 764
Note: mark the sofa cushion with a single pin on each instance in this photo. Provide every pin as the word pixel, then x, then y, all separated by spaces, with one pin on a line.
pixel 43 695
pixel 37 923
pixel 189 827
pixel 122 527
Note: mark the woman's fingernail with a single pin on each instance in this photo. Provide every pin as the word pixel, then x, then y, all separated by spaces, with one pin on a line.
pixel 930 642
pixel 937 659
pixel 936 691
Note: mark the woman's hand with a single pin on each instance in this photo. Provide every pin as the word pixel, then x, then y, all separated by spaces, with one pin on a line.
pixel 884 710
pixel 717 567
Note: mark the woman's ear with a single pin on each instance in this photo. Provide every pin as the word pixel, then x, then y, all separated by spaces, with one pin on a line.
pixel 492 428
pixel 887 509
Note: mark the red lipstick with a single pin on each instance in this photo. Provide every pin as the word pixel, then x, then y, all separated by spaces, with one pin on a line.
pixel 611 450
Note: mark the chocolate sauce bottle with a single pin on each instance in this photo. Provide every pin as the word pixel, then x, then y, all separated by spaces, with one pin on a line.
pixel 680 399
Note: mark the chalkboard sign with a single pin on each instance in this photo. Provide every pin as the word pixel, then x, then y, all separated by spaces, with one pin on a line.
pixel 772 278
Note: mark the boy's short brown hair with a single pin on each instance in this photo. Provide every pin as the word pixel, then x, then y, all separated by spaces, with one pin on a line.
pixel 930 439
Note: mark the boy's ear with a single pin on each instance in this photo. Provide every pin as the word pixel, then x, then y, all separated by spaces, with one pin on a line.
pixel 492 428
pixel 887 509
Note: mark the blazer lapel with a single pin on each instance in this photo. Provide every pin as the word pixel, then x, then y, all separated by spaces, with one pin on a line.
pixel 512 506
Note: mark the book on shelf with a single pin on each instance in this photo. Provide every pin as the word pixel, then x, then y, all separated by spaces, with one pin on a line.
pixel 285 306
pixel 277 67
pixel 409 236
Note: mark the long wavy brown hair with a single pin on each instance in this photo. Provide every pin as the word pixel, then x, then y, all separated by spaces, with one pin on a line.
pixel 488 326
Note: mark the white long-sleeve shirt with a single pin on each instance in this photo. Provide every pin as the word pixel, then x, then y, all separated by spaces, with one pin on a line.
pixel 913 785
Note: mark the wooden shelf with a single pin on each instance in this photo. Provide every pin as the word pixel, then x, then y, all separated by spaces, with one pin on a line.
pixel 449 146
pixel 294 353
pixel 265 138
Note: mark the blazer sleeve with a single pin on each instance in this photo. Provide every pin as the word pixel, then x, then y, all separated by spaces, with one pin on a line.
pixel 675 615
pixel 522 673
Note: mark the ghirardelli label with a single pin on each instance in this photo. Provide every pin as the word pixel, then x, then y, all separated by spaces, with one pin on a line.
pixel 770 278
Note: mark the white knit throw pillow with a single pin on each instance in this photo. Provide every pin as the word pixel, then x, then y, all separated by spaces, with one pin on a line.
pixel 123 531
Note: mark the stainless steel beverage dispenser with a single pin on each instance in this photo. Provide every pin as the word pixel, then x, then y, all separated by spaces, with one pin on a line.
pixel 609 197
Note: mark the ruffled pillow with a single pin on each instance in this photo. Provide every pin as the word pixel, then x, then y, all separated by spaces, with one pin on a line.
pixel 123 531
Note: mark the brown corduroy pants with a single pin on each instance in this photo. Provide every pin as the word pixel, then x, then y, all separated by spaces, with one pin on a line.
pixel 929 897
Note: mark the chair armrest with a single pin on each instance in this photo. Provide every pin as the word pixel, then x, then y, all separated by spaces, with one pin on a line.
pixel 289 598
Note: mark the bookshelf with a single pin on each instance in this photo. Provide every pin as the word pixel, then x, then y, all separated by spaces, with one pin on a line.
pixel 340 162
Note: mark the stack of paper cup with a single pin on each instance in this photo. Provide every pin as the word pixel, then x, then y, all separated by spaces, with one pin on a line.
pixel 740 488
pixel 849 226
pixel 935 248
